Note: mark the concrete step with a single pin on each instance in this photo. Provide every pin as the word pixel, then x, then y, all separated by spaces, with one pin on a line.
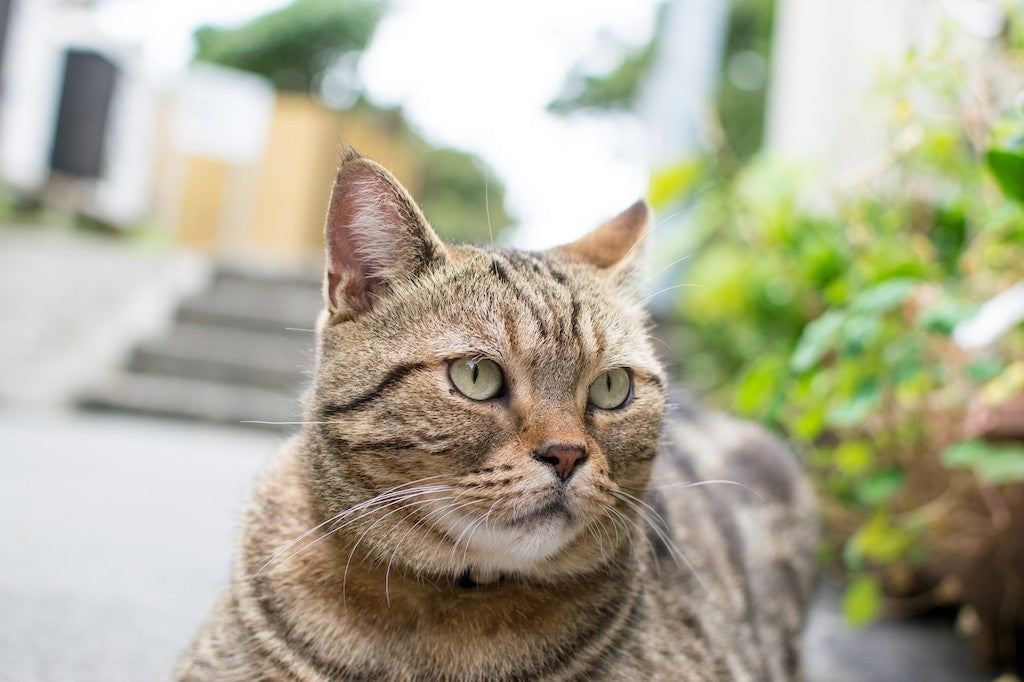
pixel 229 356
pixel 190 398
pixel 235 356
pixel 310 278
pixel 249 304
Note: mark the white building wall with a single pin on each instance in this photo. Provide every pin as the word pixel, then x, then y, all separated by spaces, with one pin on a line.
pixel 40 33
pixel 824 104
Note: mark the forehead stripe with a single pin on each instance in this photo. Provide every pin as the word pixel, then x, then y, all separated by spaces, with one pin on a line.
pixel 529 302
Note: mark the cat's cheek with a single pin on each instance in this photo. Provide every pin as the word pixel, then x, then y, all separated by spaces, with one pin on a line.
pixel 629 444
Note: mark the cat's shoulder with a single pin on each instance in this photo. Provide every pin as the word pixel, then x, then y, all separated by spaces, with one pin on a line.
pixel 705 444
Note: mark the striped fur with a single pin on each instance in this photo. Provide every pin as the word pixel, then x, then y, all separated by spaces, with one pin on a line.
pixel 408 534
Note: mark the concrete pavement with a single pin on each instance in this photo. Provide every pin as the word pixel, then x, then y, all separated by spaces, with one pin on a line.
pixel 115 536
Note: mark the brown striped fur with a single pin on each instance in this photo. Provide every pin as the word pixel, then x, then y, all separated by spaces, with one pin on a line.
pixel 409 532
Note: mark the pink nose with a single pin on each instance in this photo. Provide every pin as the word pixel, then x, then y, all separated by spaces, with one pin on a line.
pixel 563 457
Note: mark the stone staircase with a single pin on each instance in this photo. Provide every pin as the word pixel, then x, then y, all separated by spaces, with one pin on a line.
pixel 239 351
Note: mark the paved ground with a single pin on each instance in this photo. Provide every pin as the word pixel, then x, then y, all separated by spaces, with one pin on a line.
pixel 116 534
pixel 72 305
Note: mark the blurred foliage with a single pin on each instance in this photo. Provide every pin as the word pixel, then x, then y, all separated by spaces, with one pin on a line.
pixel 742 81
pixel 615 90
pixel 832 320
pixel 293 46
pixel 462 198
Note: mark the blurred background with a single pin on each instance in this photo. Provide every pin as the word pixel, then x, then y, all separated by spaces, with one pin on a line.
pixel 838 251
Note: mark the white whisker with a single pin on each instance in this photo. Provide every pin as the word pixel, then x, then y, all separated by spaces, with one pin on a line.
pixel 677 260
pixel 660 527
pixel 694 484
pixel 644 301
pixel 388 494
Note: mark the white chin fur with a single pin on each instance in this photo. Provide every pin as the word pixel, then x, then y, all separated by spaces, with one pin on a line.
pixel 507 549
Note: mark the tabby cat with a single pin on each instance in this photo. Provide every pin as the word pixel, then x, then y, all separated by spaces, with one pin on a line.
pixel 484 487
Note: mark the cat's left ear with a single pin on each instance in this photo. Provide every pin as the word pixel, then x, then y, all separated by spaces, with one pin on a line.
pixel 613 248
pixel 376 236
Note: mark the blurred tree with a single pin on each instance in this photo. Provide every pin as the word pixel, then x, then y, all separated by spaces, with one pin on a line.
pixel 462 197
pixel 615 90
pixel 293 46
pixel 297 46
pixel 743 83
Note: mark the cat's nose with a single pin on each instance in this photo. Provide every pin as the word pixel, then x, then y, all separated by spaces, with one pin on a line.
pixel 563 457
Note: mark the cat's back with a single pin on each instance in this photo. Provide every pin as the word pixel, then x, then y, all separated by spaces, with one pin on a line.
pixel 740 525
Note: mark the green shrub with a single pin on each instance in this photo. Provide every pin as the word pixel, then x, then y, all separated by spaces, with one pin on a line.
pixel 834 324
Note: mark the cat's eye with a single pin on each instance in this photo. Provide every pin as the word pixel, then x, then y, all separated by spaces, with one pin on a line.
pixel 610 389
pixel 479 379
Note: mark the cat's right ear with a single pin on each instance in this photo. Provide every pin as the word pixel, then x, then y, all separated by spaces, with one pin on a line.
pixel 376 237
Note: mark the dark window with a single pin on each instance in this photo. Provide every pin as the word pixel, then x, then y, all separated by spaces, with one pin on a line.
pixel 89 81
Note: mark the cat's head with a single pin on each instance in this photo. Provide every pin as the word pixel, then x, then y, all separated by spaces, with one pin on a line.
pixel 495 406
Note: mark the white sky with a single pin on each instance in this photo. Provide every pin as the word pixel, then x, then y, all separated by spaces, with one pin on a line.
pixel 474 75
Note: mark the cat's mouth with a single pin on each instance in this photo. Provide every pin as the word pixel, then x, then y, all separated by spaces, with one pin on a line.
pixel 554 508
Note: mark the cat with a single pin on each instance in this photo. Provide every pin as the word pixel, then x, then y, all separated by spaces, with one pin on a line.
pixel 486 486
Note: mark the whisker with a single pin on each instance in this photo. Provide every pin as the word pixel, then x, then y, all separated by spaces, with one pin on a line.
pixel 643 301
pixel 694 484
pixel 365 512
pixel 487 208
pixel 676 261
pixel 260 421
pixel 398 545
pixel 351 554
pixel 401 540
pixel 387 495
pixel 664 343
pixel 660 527
pixel 658 224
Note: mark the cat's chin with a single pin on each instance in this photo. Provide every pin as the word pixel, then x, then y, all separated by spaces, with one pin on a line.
pixel 521 546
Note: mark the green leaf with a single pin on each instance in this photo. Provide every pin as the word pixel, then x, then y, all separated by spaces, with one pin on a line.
pixel 1007 166
pixel 949 233
pixel 1005 385
pixel 808 423
pixel 880 542
pixel 854 457
pixel 998 464
pixel 865 400
pixel 673 182
pixel 985 369
pixel 883 296
pixel 859 333
pixel 862 601
pixel 944 315
pixel 760 386
pixel 1003 470
pixel 880 487
pixel 816 340
pixel 965 454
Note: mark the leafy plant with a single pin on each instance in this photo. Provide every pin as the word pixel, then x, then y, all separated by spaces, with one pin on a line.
pixel 835 325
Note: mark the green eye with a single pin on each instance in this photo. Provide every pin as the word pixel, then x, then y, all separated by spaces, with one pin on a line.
pixel 610 389
pixel 476 379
